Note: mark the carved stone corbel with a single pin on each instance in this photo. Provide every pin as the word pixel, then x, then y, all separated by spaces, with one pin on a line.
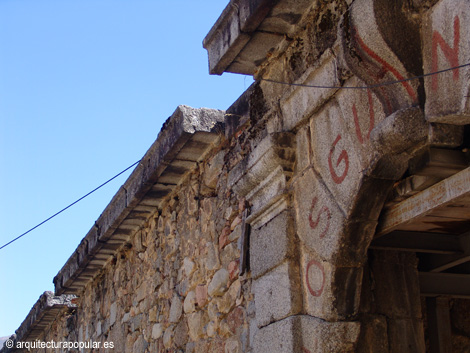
pixel 380 44
pixel 262 177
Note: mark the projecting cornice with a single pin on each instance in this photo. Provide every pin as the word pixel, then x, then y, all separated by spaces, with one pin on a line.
pixel 248 30
pixel 40 317
pixel 184 140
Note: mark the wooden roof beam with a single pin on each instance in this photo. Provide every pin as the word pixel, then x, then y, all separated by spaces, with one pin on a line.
pixel 443 194
pixel 433 243
pixel 444 284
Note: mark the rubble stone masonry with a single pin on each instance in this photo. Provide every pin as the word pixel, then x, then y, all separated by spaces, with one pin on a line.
pixel 176 284
pixel 249 230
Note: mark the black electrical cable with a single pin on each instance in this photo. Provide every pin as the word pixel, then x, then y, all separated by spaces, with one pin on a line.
pixel 73 203
pixel 261 79
pixel 367 87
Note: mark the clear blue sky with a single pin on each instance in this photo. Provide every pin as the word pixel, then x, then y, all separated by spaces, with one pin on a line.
pixel 85 86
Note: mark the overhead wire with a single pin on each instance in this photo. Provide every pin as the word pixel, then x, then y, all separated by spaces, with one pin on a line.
pixel 261 79
pixel 67 207
pixel 388 83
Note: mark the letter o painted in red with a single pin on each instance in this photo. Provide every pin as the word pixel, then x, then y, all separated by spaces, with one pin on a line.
pixel 316 291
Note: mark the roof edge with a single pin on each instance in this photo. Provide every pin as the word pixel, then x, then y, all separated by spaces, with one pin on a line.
pixel 131 206
pixel 41 315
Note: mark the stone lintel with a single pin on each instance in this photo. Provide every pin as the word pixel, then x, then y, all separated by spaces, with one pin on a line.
pixel 247 30
pixel 185 138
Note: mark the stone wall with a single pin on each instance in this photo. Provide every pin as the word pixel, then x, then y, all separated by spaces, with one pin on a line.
pixel 175 285
pixel 351 147
pixel 255 235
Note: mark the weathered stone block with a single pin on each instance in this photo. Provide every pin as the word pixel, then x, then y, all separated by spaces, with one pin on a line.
pixel 142 291
pixel 211 329
pixel 168 336
pixel 254 52
pixel 319 219
pixel 280 337
pixel 406 336
pixel 307 334
pixel 219 282
pixel 228 300
pixel 157 331
pixel 300 102
pixel 329 337
pixel 271 244
pixel 235 234
pixel 112 313
pixel 334 155
pixel 358 234
pixel 277 294
pixel 232 346
pixel 303 149
pixel 284 16
pixel 404 131
pixel 262 177
pixel 140 345
pixel 236 318
pixel 201 295
pixel 176 309
pixel 196 323
pixel 445 45
pixel 267 198
pixel 378 51
pixel 181 334
pixel 362 112
pixel 445 135
pixel 373 337
pixel 211 260
pixel 225 40
pixel 213 169
pixel 189 304
pixel 189 266
pixel 330 292
pixel 229 253
pixel 397 295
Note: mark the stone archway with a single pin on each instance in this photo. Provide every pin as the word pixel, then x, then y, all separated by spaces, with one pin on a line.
pixel 360 143
pixel 314 218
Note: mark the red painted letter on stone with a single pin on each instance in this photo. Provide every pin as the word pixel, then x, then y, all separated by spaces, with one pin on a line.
pixel 314 223
pixel 451 54
pixel 338 179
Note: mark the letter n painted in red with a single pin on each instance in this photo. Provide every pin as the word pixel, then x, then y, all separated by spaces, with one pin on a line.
pixel 451 54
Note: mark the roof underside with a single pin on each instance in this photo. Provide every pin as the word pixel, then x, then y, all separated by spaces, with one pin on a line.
pixel 433 222
pixel 247 30
pixel 184 140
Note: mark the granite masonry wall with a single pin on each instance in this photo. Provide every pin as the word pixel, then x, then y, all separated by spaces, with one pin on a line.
pixel 175 286
pixel 249 230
